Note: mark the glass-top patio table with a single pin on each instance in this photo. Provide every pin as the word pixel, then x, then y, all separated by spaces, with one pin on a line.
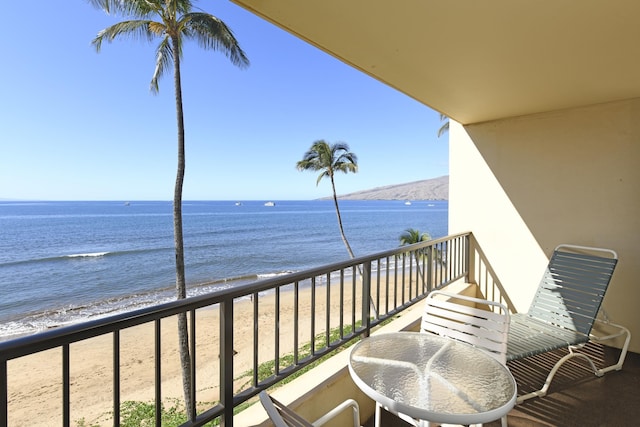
pixel 432 378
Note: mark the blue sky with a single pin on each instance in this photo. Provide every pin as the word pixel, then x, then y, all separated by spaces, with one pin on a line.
pixel 78 125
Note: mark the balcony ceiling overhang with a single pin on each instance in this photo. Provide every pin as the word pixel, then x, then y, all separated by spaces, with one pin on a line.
pixel 478 60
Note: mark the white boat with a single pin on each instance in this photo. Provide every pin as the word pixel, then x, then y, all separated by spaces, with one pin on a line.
pixel 269 204
pixel 408 203
pixel 238 203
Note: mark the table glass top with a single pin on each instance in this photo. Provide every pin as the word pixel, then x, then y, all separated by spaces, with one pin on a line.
pixel 430 374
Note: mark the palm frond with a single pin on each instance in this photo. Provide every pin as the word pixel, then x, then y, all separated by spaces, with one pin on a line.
pixel 412 235
pixel 445 126
pixel 328 158
pixel 138 29
pixel 135 8
pixel 164 58
pixel 212 33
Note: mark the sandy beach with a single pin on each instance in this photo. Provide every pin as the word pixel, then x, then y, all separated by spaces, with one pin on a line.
pixel 34 382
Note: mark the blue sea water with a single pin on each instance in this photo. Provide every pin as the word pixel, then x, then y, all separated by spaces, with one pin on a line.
pixel 66 262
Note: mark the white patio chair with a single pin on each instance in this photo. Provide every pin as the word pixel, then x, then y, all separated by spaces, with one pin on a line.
pixel 282 416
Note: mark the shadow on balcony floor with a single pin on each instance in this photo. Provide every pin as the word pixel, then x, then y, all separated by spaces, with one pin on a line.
pixel 576 396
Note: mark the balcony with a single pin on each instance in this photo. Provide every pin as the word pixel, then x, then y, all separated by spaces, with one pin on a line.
pixel 293 322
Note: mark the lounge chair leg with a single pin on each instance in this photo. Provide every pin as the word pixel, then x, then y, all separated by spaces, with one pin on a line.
pixel 543 391
pixel 623 352
pixel 598 372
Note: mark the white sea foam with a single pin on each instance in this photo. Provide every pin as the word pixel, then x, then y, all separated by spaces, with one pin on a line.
pixel 88 255
pixel 270 275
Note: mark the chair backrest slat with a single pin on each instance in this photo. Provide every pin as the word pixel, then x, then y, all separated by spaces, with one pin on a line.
pixel 465 319
pixel 572 289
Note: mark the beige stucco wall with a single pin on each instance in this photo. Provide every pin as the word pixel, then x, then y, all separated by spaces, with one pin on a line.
pixel 524 185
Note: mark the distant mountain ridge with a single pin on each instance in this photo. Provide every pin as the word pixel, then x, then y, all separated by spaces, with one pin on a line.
pixel 428 189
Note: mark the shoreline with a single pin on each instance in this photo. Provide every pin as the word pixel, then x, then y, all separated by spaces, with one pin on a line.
pixel 42 321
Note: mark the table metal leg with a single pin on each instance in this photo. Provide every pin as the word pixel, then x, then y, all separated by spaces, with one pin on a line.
pixel 376 422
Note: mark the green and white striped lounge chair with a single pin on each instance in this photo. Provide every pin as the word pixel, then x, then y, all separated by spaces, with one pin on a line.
pixel 564 310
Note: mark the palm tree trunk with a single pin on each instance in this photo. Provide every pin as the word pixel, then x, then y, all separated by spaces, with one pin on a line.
pixel 335 202
pixel 346 242
pixel 181 287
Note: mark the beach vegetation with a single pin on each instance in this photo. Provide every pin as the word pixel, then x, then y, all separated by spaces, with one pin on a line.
pixel 137 413
pixel 172 22
pixel 411 236
pixel 268 368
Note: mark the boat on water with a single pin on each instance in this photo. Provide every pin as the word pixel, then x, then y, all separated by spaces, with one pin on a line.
pixel 408 203
pixel 270 204
pixel 238 203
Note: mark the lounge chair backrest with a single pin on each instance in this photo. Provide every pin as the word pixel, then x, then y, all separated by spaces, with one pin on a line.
pixel 572 289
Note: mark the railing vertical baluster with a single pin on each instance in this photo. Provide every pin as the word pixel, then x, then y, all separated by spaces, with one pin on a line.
pixel 452 261
pixel 438 255
pixel 386 299
pixel 432 255
pixel 395 281
pixel 451 251
pixel 296 321
pixel 446 267
pixel 366 298
pixel 353 298
pixel 193 363
pixel 411 257
pixel 4 395
pixel 313 315
pixel 467 255
pixel 256 337
pixel 404 277
pixel 342 304
pixel 457 257
pixel 158 371
pixel 328 311
pixel 116 378
pixel 276 347
pixel 66 387
pixel 226 361
pixel 378 288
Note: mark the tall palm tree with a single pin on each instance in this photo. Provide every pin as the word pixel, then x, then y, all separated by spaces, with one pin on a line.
pixel 411 236
pixel 329 159
pixel 172 22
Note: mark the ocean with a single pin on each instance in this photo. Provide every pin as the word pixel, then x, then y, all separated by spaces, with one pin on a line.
pixel 67 262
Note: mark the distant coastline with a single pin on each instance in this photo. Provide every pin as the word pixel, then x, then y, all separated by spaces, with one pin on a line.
pixel 428 189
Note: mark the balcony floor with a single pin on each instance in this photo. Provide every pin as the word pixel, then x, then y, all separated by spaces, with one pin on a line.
pixel 576 396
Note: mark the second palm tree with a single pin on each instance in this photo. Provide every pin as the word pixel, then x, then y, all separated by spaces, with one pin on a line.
pixel 329 159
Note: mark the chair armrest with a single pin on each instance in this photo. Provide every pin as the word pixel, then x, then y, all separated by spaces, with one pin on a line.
pixel 347 404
